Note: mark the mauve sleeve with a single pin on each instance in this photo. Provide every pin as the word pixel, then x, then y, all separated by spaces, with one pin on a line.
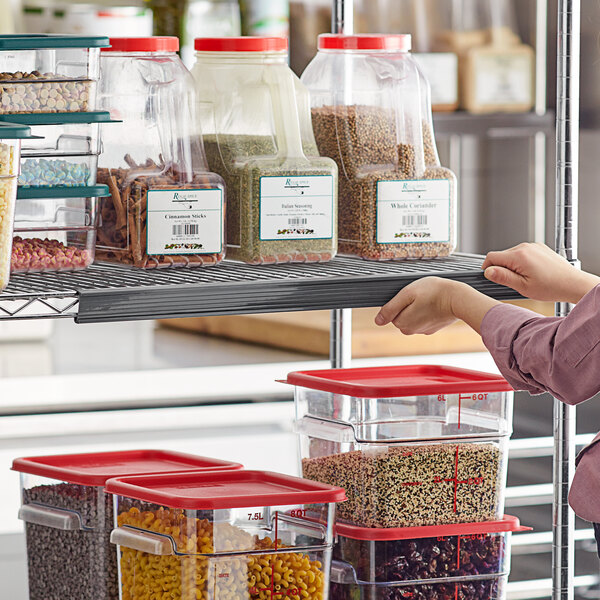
pixel 538 354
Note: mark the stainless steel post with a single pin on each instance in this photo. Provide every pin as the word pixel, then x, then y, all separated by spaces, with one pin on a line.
pixel 340 344
pixel 567 189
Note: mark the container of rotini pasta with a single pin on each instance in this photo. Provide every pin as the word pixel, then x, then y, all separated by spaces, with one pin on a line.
pixel 235 535
pixel 68 517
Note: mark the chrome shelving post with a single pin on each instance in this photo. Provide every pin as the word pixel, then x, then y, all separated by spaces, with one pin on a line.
pixel 340 347
pixel 567 189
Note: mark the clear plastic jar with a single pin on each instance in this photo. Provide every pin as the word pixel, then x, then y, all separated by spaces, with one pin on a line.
pixel 258 136
pixel 371 113
pixel 165 209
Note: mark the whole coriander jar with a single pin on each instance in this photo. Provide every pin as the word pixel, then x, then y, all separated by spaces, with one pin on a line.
pixel 165 209
pixel 371 113
pixel 282 203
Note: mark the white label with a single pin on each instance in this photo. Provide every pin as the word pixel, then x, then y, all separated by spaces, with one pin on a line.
pixel 296 208
pixel 441 70
pixel 24 61
pixel 503 79
pixel 185 221
pixel 414 211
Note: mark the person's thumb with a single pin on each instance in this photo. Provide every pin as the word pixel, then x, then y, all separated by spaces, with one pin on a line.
pixel 505 277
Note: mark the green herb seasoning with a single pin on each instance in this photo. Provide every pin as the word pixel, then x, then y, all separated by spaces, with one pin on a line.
pixel 279 209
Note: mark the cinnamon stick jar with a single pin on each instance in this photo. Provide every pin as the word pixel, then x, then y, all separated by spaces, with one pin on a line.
pixel 165 209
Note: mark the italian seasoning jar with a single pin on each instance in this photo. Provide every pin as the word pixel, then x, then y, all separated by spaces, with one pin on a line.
pixel 255 113
pixel 371 113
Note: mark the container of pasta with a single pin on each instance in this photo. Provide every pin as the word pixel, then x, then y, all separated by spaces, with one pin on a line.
pixel 243 534
pixel 45 73
pixel 11 136
pixel 69 517
pixel 412 445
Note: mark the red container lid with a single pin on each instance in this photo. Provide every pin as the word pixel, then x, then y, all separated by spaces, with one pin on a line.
pixel 225 489
pixel 96 468
pixel 241 44
pixel 144 44
pixel 370 534
pixel 386 42
pixel 397 382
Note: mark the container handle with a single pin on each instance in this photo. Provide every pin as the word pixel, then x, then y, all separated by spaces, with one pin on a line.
pixel 48 516
pixel 144 541
pixel 303 526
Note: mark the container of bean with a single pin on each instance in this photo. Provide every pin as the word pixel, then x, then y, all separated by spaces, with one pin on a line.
pixel 69 517
pixel 165 208
pixel 371 113
pixel 243 534
pixel 344 586
pixel 45 73
pixel 412 446
pixel 431 554
pixel 258 136
pixel 11 136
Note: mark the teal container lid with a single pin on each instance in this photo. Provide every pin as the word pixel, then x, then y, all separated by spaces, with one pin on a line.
pixel 79 191
pixel 31 41
pixel 63 118
pixel 14 131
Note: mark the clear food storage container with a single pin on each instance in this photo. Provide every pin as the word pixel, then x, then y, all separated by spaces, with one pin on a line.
pixel 10 154
pixel 69 517
pixel 432 554
pixel 166 209
pixel 255 115
pixel 243 534
pixel 496 70
pixel 371 114
pixel 44 73
pixel 54 234
pixel 412 446
pixel 344 586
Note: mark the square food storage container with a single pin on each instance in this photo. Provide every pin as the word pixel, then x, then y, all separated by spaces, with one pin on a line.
pixel 69 516
pixel 44 73
pixel 243 534
pixel 10 155
pixel 426 554
pixel 412 446
pixel 345 587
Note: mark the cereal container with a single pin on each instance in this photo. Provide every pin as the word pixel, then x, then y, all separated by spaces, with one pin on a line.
pixel 258 135
pixel 10 153
pixel 371 113
pixel 242 534
pixel 43 73
pixel 69 517
pixel 412 446
pixel 165 209
pixel 64 148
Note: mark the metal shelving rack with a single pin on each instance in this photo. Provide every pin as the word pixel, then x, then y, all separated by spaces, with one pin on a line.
pixel 104 293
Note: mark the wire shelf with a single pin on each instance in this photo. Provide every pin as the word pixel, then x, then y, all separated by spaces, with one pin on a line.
pixel 104 293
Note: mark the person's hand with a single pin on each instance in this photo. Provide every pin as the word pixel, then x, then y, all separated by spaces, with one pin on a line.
pixel 432 303
pixel 538 273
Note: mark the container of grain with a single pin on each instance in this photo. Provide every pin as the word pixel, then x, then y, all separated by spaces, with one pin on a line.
pixel 258 136
pixel 69 517
pixel 10 155
pixel 412 446
pixel 371 113
pixel 165 208
pixel 243 535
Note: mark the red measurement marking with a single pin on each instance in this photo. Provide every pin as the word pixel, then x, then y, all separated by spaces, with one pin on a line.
pixel 458 553
pixel 456 591
pixel 408 483
pixel 222 575
pixel 441 398
pixel 455 480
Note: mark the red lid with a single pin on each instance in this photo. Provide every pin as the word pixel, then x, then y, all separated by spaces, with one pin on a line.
pixel 143 44
pixel 507 523
pixel 241 44
pixel 396 382
pixel 96 468
pixel 391 42
pixel 232 489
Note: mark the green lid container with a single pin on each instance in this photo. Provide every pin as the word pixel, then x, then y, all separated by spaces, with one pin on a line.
pixel 83 191
pixel 30 41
